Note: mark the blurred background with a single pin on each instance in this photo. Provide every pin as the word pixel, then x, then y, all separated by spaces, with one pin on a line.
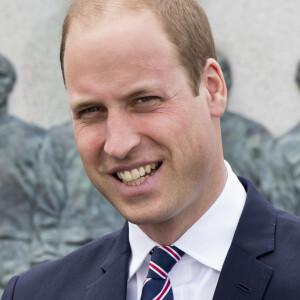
pixel 48 207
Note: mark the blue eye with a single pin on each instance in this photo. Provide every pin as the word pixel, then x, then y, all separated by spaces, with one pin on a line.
pixel 146 99
pixel 93 112
pixel 91 109
pixel 94 109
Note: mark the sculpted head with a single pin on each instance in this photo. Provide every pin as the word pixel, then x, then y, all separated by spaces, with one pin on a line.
pixel 146 96
pixel 298 75
pixel 7 79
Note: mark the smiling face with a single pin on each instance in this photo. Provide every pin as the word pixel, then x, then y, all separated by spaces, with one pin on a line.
pixel 147 143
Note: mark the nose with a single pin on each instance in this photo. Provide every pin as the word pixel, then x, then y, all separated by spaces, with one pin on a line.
pixel 121 135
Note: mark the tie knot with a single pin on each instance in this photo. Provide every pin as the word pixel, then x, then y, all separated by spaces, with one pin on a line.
pixel 163 260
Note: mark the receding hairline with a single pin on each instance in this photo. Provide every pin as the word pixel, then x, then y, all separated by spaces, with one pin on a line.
pixel 108 18
pixel 189 55
pixel 82 11
pixel 85 14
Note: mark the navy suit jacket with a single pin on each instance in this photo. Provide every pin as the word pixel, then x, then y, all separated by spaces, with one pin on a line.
pixel 263 262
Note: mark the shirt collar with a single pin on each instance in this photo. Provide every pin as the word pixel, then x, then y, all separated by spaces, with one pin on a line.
pixel 140 245
pixel 202 241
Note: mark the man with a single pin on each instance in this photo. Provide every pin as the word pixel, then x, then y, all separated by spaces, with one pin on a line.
pixel 19 146
pixel 146 96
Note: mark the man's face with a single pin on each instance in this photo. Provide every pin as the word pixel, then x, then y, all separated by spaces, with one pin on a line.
pixel 135 117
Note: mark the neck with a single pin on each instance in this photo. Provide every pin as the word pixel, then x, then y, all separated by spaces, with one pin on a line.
pixel 167 232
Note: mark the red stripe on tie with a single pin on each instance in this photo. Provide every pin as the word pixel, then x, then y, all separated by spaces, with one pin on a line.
pixel 155 268
pixel 172 252
pixel 164 291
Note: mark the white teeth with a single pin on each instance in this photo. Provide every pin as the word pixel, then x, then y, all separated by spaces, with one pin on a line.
pixel 148 169
pixel 127 176
pixel 121 175
pixel 142 171
pixel 136 176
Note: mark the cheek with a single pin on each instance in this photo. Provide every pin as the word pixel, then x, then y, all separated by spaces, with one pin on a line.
pixel 89 141
pixel 193 144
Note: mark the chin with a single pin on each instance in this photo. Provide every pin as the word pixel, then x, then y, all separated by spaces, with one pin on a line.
pixel 142 220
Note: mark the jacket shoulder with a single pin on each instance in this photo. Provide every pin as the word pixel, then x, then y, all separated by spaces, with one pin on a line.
pixel 287 233
pixel 285 260
pixel 65 278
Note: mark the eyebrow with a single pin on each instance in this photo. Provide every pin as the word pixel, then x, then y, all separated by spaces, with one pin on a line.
pixel 82 104
pixel 139 92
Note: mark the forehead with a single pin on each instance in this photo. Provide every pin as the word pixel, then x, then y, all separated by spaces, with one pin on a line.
pixel 136 38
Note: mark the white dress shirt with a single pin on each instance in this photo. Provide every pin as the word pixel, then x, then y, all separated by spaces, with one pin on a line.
pixel 205 244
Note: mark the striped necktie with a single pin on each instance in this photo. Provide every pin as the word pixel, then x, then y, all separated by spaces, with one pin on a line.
pixel 157 285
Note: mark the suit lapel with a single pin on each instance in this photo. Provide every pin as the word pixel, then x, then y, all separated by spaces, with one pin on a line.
pixel 112 283
pixel 243 276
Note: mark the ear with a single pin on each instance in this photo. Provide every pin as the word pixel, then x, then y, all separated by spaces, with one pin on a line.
pixel 216 87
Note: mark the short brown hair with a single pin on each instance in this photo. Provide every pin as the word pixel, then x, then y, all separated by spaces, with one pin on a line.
pixel 184 21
